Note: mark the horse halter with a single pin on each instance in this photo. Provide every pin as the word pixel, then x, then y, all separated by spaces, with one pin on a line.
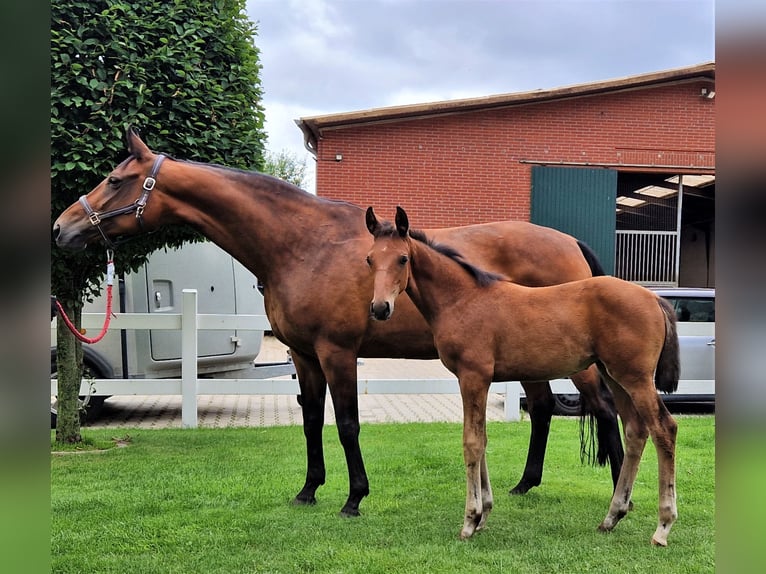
pixel 138 206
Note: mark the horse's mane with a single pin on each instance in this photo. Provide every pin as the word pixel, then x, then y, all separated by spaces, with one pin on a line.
pixel 278 184
pixel 482 277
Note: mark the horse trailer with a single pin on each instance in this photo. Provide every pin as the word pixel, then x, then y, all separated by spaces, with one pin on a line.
pixel 223 285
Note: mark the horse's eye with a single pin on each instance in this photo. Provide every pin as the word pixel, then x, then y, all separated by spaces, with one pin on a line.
pixel 403 260
pixel 114 181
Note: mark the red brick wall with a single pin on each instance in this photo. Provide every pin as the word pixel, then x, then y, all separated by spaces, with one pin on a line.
pixel 465 168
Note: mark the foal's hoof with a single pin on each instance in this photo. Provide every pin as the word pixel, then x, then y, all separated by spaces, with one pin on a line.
pixel 660 536
pixel 470 527
pixel 604 527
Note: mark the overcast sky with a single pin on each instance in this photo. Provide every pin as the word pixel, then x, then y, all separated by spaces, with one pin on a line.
pixel 327 56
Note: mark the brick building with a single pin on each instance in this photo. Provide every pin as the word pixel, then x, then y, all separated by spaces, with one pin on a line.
pixel 608 162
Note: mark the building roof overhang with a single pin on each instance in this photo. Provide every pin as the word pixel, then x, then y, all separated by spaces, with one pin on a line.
pixel 313 126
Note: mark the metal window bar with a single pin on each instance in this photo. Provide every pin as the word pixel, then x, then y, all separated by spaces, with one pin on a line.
pixel 647 257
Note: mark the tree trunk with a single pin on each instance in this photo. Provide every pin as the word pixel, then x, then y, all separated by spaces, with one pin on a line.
pixel 69 367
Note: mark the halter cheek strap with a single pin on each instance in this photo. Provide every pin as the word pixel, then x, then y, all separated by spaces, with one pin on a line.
pixel 138 206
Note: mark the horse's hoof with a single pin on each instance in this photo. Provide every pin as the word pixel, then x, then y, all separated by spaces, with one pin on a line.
pixel 657 542
pixel 523 487
pixel 603 527
pixel 349 513
pixel 309 501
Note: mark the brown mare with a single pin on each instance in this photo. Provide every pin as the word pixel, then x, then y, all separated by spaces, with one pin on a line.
pixel 300 246
pixel 486 328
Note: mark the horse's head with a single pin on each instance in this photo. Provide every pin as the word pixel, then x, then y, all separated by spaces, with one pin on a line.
pixel 389 261
pixel 117 206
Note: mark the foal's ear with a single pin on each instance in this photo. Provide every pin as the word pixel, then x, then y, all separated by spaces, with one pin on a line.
pixel 402 223
pixel 137 148
pixel 372 222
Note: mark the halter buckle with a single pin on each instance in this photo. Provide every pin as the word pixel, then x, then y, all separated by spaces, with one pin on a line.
pixel 94 219
pixel 149 183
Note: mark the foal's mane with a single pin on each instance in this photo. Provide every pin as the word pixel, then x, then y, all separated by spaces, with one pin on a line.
pixel 482 277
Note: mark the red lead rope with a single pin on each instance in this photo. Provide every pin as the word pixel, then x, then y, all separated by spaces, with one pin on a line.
pixel 107 319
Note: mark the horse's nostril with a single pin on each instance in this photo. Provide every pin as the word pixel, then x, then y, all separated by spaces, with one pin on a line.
pixel 380 311
pixel 56 231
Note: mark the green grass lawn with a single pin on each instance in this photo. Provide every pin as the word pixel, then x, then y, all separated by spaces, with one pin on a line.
pixel 218 500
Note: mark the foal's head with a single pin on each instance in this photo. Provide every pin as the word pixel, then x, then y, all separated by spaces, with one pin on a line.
pixel 389 261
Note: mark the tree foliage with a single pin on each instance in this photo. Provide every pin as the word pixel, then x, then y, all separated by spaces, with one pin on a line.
pixel 186 72
pixel 287 166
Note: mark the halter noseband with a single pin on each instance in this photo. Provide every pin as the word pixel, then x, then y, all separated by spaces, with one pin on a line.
pixel 138 206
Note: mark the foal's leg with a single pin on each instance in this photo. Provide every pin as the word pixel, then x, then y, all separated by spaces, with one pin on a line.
pixel 313 390
pixel 487 499
pixel 636 434
pixel 663 429
pixel 540 405
pixel 474 389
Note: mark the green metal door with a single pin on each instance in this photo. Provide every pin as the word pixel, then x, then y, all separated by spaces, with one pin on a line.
pixel 580 202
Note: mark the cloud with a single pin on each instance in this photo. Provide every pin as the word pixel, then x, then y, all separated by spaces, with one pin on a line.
pixel 327 56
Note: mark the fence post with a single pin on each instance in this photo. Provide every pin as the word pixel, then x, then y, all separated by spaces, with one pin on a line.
pixel 513 401
pixel 189 359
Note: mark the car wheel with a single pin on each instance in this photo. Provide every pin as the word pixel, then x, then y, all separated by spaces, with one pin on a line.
pixel 567 405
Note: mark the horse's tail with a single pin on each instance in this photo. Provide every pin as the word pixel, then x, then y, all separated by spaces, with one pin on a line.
pixel 588 420
pixel 588 452
pixel 599 429
pixel 590 256
pixel 669 363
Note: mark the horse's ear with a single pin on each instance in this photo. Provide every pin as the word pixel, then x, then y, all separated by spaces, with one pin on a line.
pixel 402 222
pixel 372 222
pixel 136 147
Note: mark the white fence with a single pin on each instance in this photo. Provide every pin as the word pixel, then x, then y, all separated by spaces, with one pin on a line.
pixel 189 385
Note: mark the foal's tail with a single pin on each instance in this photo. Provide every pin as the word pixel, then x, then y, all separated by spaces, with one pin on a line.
pixel 669 363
